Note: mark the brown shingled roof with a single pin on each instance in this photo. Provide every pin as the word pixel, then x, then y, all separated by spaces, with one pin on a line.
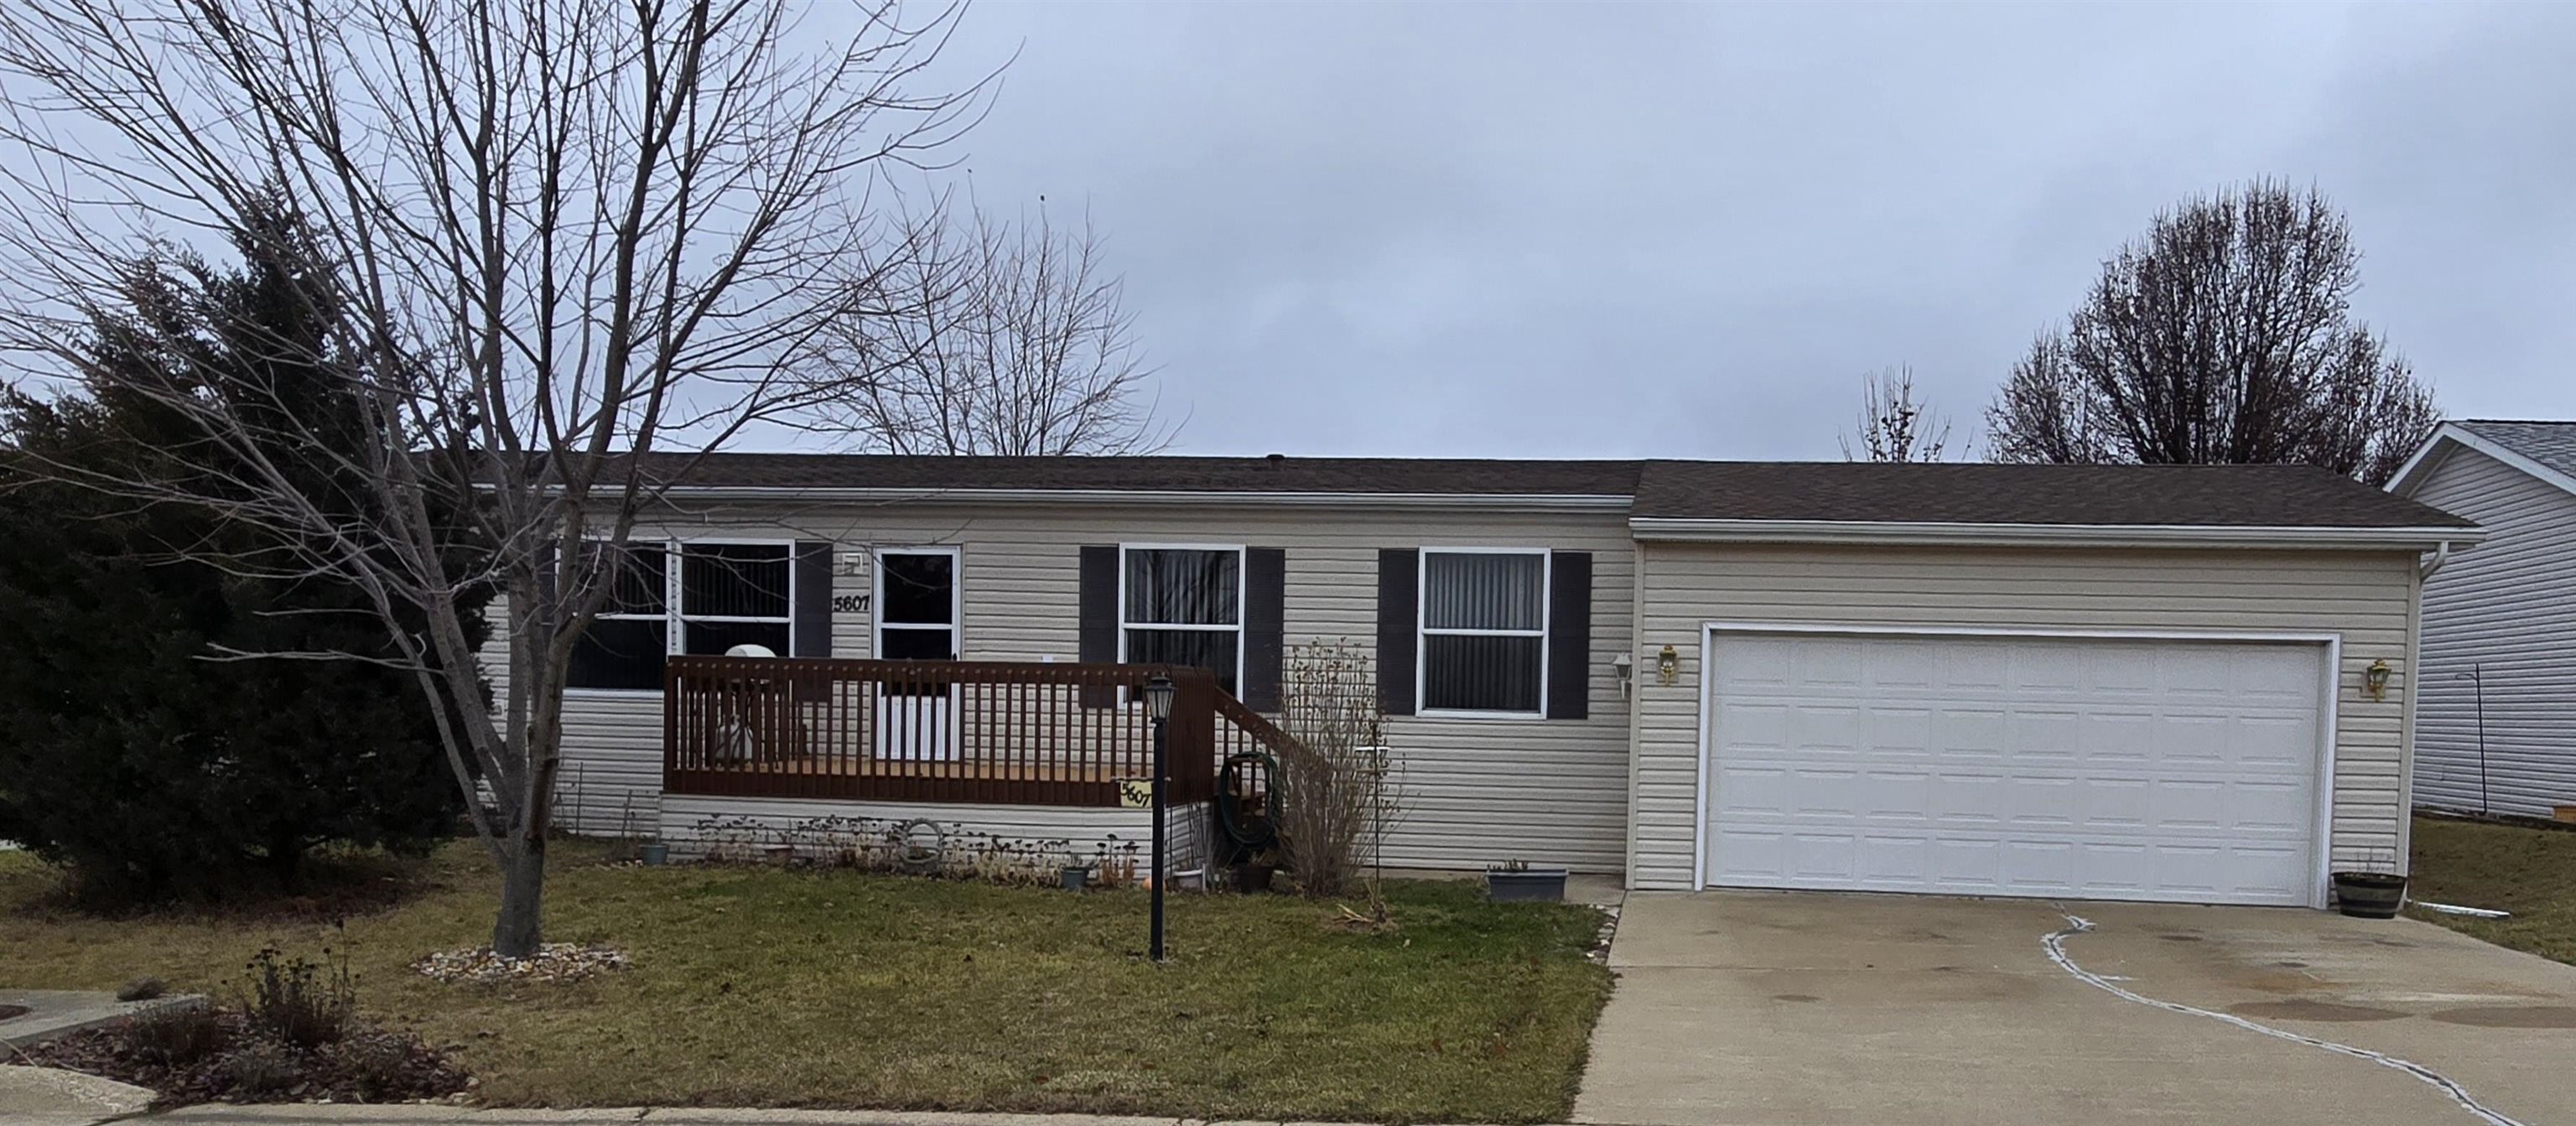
pixel 1380 475
pixel 1964 493
pixel 2264 496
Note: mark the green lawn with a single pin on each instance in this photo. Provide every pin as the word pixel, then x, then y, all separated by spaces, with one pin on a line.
pixel 2530 872
pixel 766 987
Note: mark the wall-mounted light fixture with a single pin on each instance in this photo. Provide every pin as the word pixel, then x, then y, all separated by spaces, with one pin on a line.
pixel 2374 680
pixel 1626 670
pixel 1668 667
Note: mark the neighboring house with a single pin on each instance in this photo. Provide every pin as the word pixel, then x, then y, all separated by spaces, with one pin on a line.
pixel 2088 681
pixel 2496 728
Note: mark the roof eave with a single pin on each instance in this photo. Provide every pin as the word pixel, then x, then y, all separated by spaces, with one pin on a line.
pixel 1589 502
pixel 2046 535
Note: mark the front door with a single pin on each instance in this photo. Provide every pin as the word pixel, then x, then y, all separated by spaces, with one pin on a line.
pixel 916 620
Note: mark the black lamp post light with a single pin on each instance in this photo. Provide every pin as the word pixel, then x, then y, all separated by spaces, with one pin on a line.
pixel 1158 704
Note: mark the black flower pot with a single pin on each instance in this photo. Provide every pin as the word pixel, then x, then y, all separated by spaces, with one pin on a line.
pixel 2369 895
pixel 1531 885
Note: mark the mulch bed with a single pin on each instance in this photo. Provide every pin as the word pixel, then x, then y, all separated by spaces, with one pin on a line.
pixel 367 1064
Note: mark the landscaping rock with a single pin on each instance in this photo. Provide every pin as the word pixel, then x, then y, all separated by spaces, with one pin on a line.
pixel 555 961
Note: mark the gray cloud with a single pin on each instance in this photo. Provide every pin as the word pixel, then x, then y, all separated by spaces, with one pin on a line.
pixel 1686 231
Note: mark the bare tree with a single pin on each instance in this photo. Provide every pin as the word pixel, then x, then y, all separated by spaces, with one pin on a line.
pixel 2225 336
pixel 1894 425
pixel 574 243
pixel 995 338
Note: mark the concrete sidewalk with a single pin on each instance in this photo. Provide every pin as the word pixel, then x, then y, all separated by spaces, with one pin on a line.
pixel 424 1115
pixel 46 1096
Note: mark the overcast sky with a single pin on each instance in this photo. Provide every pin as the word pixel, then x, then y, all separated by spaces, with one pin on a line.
pixel 1687 230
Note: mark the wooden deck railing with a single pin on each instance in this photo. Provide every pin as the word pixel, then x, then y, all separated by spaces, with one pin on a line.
pixel 1008 733
pixel 1240 729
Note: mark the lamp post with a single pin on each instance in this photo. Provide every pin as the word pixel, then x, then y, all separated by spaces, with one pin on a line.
pixel 1158 704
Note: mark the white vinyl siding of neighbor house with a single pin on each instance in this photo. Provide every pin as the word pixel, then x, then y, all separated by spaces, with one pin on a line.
pixel 2505 610
pixel 2365 597
pixel 1476 789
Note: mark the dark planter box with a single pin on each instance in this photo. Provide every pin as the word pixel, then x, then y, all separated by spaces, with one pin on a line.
pixel 1537 885
pixel 2369 895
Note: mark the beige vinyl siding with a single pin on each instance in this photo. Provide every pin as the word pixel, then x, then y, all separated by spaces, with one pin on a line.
pixel 611 781
pixel 2506 611
pixel 1476 790
pixel 2365 597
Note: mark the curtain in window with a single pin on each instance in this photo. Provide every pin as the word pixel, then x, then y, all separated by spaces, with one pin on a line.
pixel 1483 621
pixel 1484 591
pixel 1212 649
pixel 733 580
pixel 1480 673
pixel 1186 587
pixel 625 644
pixel 1168 586
pixel 619 653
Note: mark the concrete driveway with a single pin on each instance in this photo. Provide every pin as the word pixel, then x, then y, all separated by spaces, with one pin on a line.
pixel 1749 1008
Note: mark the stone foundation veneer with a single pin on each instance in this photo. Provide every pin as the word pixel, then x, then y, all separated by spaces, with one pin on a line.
pixel 1075 832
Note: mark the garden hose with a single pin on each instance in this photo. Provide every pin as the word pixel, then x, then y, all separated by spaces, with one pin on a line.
pixel 1229 801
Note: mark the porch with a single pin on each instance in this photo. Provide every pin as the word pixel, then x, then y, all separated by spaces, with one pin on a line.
pixel 979 732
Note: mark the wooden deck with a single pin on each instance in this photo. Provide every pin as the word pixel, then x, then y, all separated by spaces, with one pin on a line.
pixel 936 768
pixel 992 732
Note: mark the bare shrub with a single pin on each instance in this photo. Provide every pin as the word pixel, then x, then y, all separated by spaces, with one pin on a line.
pixel 1338 793
pixel 176 1036
pixel 298 1002
pixel 261 1069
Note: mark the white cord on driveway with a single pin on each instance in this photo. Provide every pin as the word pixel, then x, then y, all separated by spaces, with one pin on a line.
pixel 2055 943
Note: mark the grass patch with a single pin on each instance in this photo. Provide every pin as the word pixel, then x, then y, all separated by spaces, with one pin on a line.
pixel 2530 872
pixel 767 987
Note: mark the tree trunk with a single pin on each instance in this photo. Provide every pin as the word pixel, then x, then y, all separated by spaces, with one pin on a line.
pixel 523 884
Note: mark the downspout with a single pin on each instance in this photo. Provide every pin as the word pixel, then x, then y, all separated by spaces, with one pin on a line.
pixel 2433 562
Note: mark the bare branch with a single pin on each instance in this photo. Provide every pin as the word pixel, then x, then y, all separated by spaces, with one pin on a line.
pixel 559 231
pixel 2225 336
pixel 1894 425
pixel 989 337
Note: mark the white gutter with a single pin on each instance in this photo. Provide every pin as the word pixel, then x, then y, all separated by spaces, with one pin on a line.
pixel 2043 535
pixel 1591 502
pixel 2434 561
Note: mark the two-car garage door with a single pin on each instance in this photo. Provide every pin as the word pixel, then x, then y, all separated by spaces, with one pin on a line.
pixel 2094 768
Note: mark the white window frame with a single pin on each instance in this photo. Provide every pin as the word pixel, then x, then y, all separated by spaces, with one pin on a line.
pixel 877 625
pixel 1422 629
pixel 675 624
pixel 1242 606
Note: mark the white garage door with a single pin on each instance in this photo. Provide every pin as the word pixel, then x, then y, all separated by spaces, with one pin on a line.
pixel 2094 769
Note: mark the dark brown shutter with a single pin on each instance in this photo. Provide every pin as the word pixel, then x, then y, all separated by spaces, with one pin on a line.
pixel 1265 626
pixel 812 613
pixel 1399 594
pixel 1099 626
pixel 810 634
pixel 1569 635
